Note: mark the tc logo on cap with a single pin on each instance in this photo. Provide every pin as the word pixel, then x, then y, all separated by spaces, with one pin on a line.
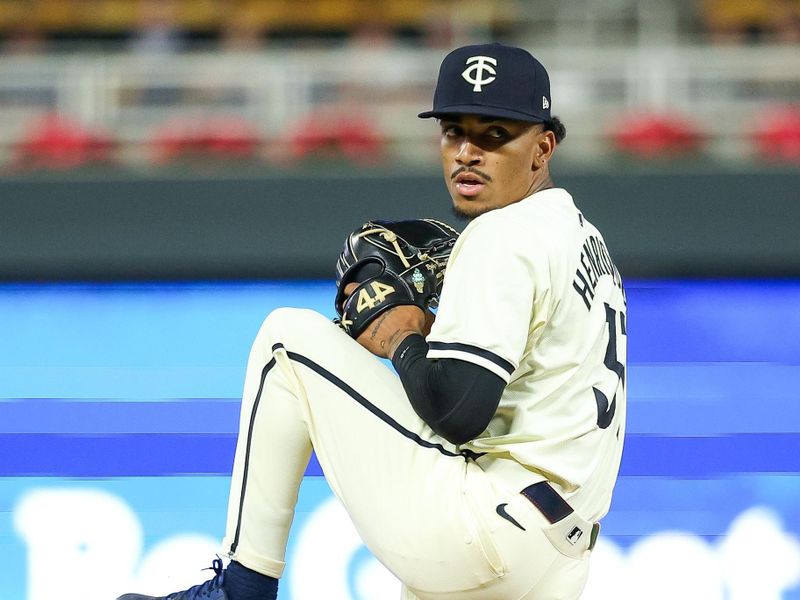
pixel 477 73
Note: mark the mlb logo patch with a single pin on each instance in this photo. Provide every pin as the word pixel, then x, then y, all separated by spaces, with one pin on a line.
pixel 574 535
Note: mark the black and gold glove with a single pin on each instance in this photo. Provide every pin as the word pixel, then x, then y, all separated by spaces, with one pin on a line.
pixel 395 263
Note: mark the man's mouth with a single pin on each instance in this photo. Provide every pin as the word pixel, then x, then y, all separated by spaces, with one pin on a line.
pixel 469 184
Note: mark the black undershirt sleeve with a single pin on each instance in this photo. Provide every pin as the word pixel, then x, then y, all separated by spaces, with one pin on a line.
pixel 456 398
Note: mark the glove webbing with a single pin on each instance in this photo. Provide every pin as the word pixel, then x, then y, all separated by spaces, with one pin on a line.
pixel 391 237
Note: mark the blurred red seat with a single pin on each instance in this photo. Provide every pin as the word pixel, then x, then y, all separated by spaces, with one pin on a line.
pixel 232 137
pixel 214 137
pixel 652 136
pixel 58 142
pixel 778 135
pixel 336 135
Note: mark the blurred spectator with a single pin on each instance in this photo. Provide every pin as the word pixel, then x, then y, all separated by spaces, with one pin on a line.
pixel 439 29
pixel 213 132
pixel 58 142
pixel 344 124
pixel 243 32
pixel 652 136
pixel 157 36
pixel 778 135
pixel 788 21
pixel 157 31
pixel 741 21
pixel 243 29
pixel 24 33
pixel 379 69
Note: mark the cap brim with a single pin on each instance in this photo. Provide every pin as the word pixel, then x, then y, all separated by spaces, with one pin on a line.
pixel 484 111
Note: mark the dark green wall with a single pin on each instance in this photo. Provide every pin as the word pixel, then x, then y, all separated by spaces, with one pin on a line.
pixel 656 224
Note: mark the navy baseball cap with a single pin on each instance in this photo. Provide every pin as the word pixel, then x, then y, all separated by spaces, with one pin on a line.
pixel 492 80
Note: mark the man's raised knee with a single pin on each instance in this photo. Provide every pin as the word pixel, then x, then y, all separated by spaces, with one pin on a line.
pixel 289 319
pixel 294 326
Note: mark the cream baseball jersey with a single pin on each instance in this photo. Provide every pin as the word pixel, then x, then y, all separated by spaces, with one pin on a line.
pixel 532 295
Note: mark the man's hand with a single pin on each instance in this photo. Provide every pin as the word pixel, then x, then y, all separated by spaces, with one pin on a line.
pixel 387 331
pixel 384 334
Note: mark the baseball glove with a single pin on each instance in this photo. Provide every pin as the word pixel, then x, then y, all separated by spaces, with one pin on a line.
pixel 395 263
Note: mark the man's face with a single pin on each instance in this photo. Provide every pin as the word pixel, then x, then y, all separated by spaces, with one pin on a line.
pixel 488 163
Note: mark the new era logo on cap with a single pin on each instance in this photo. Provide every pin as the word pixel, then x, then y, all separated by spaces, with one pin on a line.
pixel 492 80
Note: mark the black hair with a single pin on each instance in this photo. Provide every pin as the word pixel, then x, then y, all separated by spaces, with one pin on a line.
pixel 557 127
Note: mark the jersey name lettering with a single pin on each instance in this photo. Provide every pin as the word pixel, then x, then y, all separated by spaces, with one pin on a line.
pixel 595 262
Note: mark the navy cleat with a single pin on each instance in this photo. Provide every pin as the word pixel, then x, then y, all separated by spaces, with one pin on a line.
pixel 210 590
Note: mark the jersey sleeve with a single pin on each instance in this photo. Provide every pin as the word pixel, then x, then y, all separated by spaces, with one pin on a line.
pixel 490 291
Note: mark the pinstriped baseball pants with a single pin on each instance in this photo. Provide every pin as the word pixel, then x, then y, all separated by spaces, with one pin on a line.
pixel 423 510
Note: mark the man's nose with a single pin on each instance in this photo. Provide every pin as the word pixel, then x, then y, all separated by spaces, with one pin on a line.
pixel 469 154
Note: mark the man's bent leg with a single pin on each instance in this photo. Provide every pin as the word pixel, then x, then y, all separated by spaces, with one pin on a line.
pixel 272 452
pixel 309 384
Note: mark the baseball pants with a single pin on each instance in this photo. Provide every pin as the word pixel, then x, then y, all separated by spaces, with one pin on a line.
pixel 423 510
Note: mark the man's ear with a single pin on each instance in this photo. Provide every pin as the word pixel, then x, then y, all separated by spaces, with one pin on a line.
pixel 543 150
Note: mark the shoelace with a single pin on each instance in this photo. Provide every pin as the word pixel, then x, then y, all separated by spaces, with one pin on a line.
pixel 204 589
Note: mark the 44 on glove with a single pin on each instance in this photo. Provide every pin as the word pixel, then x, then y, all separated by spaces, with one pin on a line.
pixel 394 263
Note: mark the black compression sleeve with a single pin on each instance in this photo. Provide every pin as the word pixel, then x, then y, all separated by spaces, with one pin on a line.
pixel 456 398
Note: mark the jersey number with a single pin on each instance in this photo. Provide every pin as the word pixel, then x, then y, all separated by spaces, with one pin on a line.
pixel 366 301
pixel 605 411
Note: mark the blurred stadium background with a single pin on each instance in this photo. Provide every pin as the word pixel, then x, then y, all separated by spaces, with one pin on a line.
pixel 172 170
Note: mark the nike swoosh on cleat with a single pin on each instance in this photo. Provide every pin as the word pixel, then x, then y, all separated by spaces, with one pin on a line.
pixel 501 510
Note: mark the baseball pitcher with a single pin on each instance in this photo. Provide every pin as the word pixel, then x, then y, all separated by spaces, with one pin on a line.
pixel 480 467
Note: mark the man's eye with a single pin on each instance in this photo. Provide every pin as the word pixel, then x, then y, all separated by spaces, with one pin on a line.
pixel 451 131
pixel 496 133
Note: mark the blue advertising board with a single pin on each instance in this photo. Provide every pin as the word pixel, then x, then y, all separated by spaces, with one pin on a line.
pixel 119 415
